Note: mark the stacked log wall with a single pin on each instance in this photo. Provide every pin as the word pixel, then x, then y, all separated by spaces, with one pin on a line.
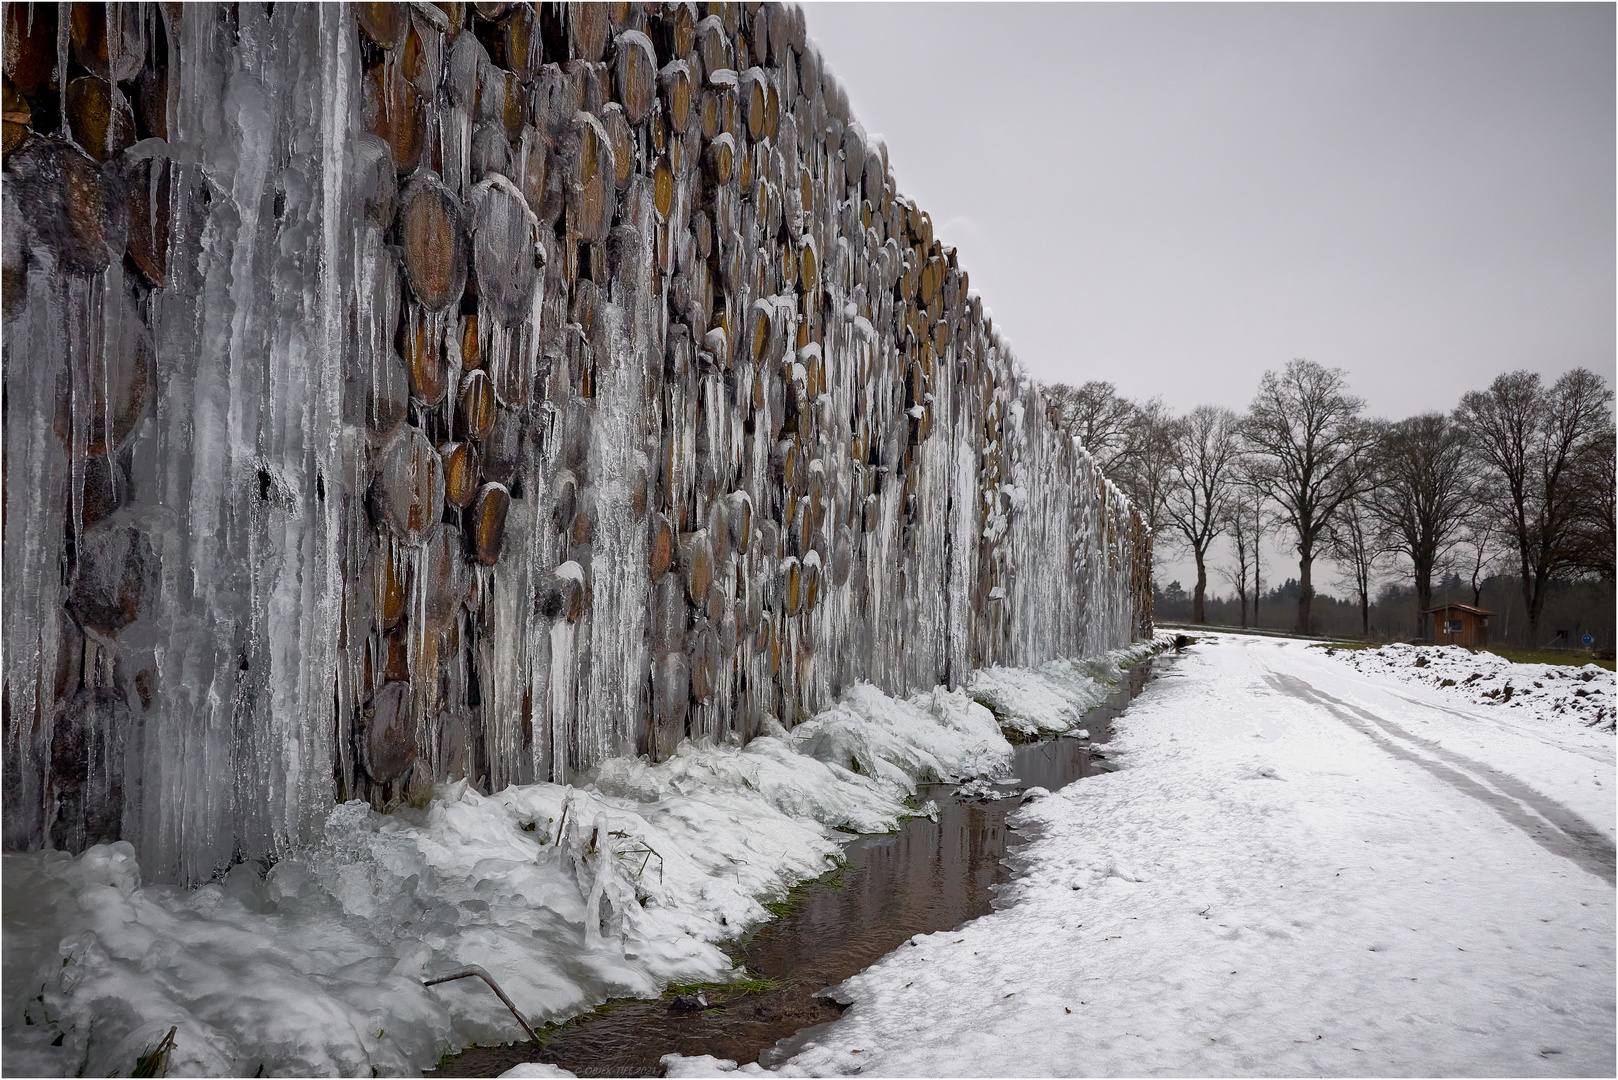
pixel 399 394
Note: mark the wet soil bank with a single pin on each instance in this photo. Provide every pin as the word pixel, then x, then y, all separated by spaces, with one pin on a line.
pixel 929 876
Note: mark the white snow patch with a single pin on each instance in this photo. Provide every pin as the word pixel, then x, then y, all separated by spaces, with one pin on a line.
pixel 1192 914
pixel 1051 699
pixel 565 896
pixel 1554 694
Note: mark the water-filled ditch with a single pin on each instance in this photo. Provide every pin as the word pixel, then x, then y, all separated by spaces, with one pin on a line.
pixel 930 875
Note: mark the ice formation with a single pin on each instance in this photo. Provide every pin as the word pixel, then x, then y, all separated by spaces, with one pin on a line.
pixel 398 394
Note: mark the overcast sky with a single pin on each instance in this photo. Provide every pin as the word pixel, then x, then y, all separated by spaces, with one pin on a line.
pixel 1176 197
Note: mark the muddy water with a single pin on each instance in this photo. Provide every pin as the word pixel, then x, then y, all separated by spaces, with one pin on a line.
pixel 930 875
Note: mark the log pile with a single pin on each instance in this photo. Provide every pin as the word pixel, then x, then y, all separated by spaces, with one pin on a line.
pixel 606 392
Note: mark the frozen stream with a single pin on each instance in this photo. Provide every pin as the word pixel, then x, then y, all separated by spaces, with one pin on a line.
pixel 929 876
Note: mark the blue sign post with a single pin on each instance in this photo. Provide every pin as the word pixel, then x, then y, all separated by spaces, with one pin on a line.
pixel 1587 641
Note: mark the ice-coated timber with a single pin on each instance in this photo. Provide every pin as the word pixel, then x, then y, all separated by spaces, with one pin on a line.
pixel 401 393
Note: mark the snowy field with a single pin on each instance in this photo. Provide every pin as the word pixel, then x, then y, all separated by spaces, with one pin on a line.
pixel 1299 869
pixel 566 896
pixel 1552 694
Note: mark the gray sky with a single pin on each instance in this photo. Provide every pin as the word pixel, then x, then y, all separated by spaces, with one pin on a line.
pixel 1176 197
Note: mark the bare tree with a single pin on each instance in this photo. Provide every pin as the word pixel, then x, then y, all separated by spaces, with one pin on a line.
pixel 1201 472
pixel 1354 541
pixel 1594 483
pixel 1095 415
pixel 1479 544
pixel 1422 496
pixel 1311 447
pixel 1244 523
pixel 1535 445
pixel 1143 472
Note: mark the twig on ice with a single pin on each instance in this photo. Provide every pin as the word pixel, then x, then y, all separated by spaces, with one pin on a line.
pixel 475 972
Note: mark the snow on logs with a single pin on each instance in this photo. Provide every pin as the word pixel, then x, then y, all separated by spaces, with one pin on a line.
pixel 479 391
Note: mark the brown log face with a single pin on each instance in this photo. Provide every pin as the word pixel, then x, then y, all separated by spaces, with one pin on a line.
pixel 429 379
pixel 684 28
pixel 107 40
pixel 500 454
pixel 668 617
pixel 18 120
pixel 460 473
pixel 791 585
pixel 147 197
pixel 384 23
pixel 455 12
pixel 116 577
pixel 696 565
pixel 622 141
pixel 713 45
pixel 524 54
pixel 471 350
pixel 504 253
pixel 391 596
pixel 663 188
pixel 434 242
pixel 387 396
pixel 808 267
pixel 488 529
pixel 677 94
pixel 592 204
pixel 588 27
pixel 101 121
pixel 671 701
pixel 660 547
pixel 446 580
pixel 410 479
pixel 718 161
pixel 755 104
pixel 396 111
pixel 635 74
pixel 397 643
pixel 30 47
pixel 389 743
pixel 704 663
pixel 70 203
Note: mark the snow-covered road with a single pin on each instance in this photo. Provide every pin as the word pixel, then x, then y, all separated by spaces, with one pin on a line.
pixel 1299 869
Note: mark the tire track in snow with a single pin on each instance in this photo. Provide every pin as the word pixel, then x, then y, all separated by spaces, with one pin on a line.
pixel 1547 822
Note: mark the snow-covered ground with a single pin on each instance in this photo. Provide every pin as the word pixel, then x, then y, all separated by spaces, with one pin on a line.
pixel 1299 869
pixel 566 896
pixel 1553 694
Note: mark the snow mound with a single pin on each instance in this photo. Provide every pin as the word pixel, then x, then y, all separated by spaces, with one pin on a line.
pixel 566 896
pixel 1051 699
pixel 1551 693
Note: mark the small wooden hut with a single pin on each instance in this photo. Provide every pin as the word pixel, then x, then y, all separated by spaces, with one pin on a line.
pixel 1460 624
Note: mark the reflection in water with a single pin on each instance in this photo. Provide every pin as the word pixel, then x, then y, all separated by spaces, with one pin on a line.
pixel 928 876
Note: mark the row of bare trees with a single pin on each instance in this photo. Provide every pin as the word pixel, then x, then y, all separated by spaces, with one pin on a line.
pixel 1520 472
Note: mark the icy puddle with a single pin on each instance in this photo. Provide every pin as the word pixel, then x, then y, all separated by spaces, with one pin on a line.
pixel 929 876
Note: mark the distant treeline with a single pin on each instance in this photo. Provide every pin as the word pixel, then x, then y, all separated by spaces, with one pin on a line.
pixel 1572 609
pixel 1506 501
